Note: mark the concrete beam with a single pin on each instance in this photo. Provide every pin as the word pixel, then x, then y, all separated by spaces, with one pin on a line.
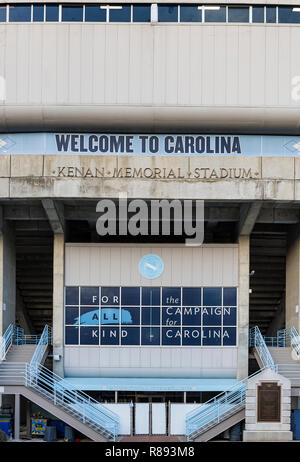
pixel 248 217
pixel 55 213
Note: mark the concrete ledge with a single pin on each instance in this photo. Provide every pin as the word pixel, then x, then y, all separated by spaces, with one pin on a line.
pixel 260 436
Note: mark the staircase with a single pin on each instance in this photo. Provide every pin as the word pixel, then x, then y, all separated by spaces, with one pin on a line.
pixel 284 353
pixel 21 372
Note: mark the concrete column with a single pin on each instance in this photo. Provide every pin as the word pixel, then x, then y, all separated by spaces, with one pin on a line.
pixel 58 302
pixel 243 307
pixel 17 417
pixel 7 277
pixel 292 297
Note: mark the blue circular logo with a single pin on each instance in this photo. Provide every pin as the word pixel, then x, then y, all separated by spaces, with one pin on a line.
pixel 151 266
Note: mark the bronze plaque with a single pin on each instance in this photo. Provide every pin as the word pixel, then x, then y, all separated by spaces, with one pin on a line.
pixel 269 402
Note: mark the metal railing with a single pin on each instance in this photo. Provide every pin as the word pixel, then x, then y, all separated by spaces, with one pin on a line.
pixel 44 341
pixel 257 340
pixel 217 409
pixel 56 390
pixel 6 341
pixel 52 387
pixel 288 337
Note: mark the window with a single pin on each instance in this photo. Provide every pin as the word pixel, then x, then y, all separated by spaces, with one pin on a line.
pixel 3 13
pixel 288 15
pixel 190 13
pixel 258 14
pixel 167 13
pixel 141 13
pixel 271 14
pixel 72 13
pixel 166 316
pixel 215 13
pixel 238 14
pixel 94 13
pixel 19 13
pixel 38 13
pixel 119 13
pixel 52 13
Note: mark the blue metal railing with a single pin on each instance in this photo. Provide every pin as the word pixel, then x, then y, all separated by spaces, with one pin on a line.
pixel 216 410
pixel 58 392
pixel 257 340
pixel 227 403
pixel 6 341
pixel 288 337
pixel 53 387
pixel 44 341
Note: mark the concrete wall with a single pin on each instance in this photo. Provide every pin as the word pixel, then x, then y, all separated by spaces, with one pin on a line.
pixel 254 178
pixel 96 264
pixel 155 77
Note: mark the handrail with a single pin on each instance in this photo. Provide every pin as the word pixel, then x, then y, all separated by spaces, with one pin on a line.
pixel 256 340
pixel 6 341
pixel 227 403
pixel 45 339
pixel 288 337
pixel 58 391
pixel 217 409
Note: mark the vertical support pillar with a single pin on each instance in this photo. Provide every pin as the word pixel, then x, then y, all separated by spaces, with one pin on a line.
pixel 17 417
pixel 243 307
pixel 7 276
pixel 292 297
pixel 116 396
pixel 58 302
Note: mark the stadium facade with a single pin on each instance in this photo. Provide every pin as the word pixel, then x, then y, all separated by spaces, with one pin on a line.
pixel 182 102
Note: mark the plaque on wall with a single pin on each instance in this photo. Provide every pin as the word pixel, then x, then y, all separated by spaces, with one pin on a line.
pixel 269 402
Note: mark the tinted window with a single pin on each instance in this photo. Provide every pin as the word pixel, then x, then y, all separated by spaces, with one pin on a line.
pixel 229 296
pixel 237 14
pixel 287 15
pixel 191 336
pixel 141 13
pixel 89 296
pixel 212 316
pixel 171 316
pixel 270 14
pixel 130 316
pixel 191 296
pixel 229 336
pixel 72 296
pixel 110 335
pixel 20 13
pixel 212 296
pixel 94 13
pixel 110 295
pixel 130 336
pixel 229 316
pixel 89 335
pixel 167 13
pixel 2 13
pixel 151 316
pixel 51 12
pixel 71 334
pixel 191 316
pixel 171 296
pixel 38 13
pixel 121 14
pixel 215 14
pixel 72 13
pixel 211 336
pixel 130 296
pixel 171 336
pixel 151 296
pixel 258 14
pixel 150 335
pixel 72 315
pixel 190 13
pixel 89 316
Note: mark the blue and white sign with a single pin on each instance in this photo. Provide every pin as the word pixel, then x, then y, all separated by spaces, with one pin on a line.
pixel 100 144
pixel 151 266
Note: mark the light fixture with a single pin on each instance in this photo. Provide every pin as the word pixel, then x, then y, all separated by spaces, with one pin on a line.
pixel 252 273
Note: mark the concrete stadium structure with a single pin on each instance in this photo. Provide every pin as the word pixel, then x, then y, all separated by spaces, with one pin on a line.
pixel 177 101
